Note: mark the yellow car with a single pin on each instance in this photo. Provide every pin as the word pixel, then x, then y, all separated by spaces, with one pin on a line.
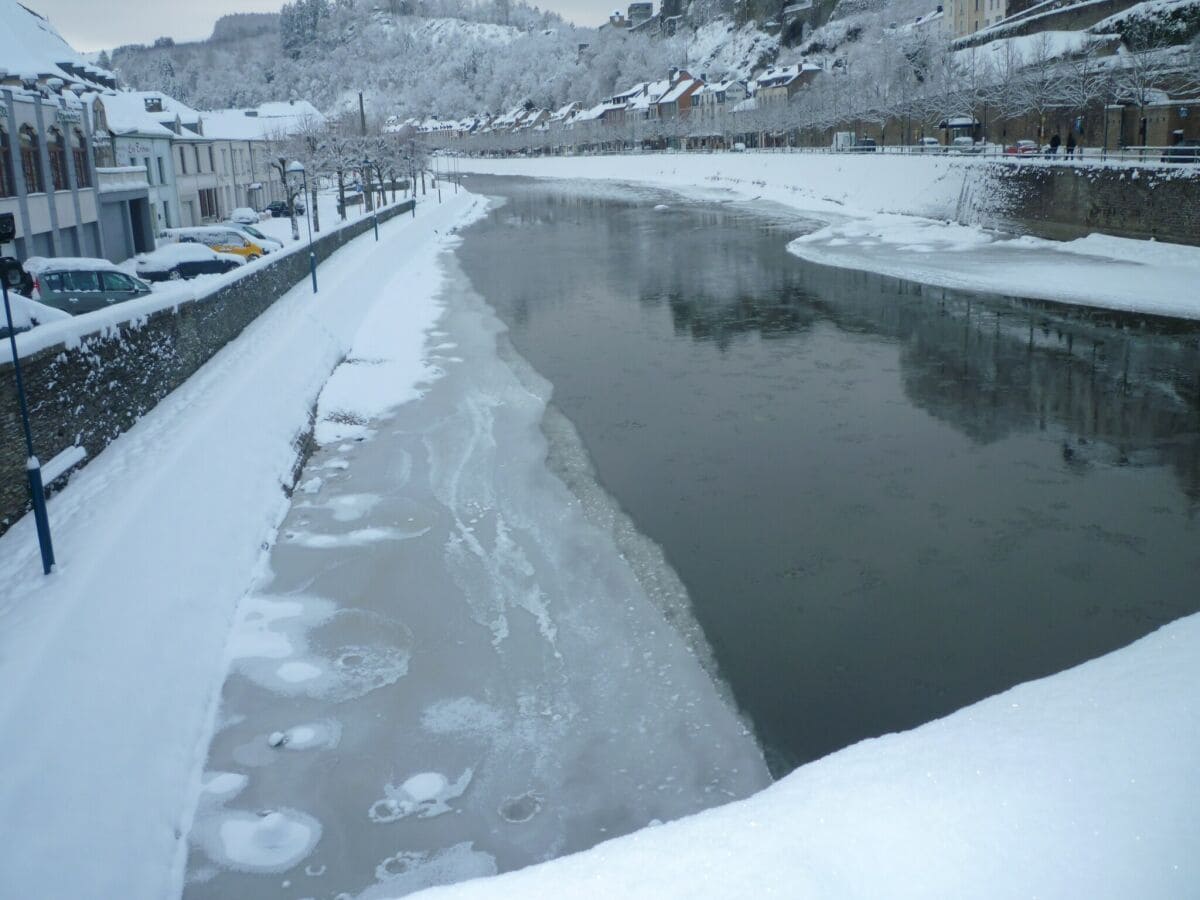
pixel 221 239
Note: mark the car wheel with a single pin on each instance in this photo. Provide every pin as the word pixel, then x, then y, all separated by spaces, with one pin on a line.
pixel 175 275
pixel 252 257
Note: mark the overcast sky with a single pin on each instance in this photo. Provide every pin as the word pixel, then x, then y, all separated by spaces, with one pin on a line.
pixel 103 24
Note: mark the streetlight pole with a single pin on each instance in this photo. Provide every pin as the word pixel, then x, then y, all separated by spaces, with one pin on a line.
pixel 295 167
pixel 33 469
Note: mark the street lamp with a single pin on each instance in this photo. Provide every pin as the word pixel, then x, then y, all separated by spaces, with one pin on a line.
pixel 33 469
pixel 295 167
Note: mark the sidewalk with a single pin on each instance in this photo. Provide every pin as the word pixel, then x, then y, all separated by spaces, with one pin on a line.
pixel 112 666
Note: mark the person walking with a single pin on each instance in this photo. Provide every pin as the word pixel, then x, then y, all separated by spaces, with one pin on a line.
pixel 1054 144
pixel 1071 145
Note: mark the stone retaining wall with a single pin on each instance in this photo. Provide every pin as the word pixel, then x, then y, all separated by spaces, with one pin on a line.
pixel 1069 201
pixel 87 395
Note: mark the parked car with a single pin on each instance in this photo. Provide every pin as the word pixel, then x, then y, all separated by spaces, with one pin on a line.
pixel 222 238
pixel 186 260
pixel 243 215
pixel 1022 148
pixel 279 209
pixel 965 144
pixel 738 147
pixel 864 145
pixel 15 277
pixel 269 244
pixel 80 285
pixel 929 145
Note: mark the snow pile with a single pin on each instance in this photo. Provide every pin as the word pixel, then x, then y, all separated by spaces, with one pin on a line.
pixel 28 313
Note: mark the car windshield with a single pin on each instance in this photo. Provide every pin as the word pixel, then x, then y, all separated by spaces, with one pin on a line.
pixel 254 232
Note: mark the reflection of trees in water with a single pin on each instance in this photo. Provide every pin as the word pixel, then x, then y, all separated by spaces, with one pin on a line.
pixel 1126 388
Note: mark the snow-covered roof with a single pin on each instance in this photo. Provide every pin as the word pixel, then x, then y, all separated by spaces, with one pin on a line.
pixel 126 114
pixel 254 125
pixel 171 108
pixel 680 89
pixel 31 48
pixel 650 95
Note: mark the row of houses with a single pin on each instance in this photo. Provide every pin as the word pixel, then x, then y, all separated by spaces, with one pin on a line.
pixel 90 170
pixel 679 96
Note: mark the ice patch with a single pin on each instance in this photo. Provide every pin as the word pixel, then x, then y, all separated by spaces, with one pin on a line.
pixel 409 871
pixel 348 507
pixel 359 538
pixel 323 735
pixel 255 634
pixel 424 795
pixel 224 785
pixel 335 655
pixel 312 485
pixel 462 716
pixel 521 808
pixel 273 842
pixel 295 672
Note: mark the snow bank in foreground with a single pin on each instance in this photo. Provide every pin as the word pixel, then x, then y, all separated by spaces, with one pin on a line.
pixel 910 204
pixel 111 667
pixel 1084 784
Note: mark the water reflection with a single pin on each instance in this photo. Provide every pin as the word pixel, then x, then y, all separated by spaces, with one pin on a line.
pixel 886 499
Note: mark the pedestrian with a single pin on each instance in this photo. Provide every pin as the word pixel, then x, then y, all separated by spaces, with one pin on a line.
pixel 1071 145
pixel 1054 144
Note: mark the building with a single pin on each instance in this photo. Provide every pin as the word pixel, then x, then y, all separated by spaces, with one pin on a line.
pixel 969 16
pixel 778 84
pixel 714 100
pixel 49 181
pixel 676 103
pixel 136 138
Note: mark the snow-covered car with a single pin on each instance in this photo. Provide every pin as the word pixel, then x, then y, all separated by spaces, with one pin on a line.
pixel 928 145
pixel 965 145
pixel 739 147
pixel 186 260
pixel 77 285
pixel 222 238
pixel 269 244
pixel 243 215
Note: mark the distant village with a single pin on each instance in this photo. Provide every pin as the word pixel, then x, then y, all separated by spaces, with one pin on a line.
pixel 999 71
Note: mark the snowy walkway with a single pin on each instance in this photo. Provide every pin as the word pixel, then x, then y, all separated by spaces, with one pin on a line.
pixel 111 667
pixel 895 215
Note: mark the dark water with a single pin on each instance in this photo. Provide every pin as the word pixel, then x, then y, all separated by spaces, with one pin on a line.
pixel 887 500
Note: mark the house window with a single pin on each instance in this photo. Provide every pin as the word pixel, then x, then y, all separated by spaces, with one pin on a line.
pixel 149 171
pixel 196 152
pixel 83 176
pixel 162 173
pixel 7 187
pixel 58 159
pixel 182 162
pixel 208 204
pixel 30 165
pixel 212 166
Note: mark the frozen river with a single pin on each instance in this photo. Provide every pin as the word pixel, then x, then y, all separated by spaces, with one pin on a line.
pixel 886 500
pixel 862 502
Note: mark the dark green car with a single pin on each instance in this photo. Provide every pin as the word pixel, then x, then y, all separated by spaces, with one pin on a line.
pixel 78 285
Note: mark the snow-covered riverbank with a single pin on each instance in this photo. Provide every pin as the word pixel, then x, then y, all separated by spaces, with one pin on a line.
pixel 899 216
pixel 112 665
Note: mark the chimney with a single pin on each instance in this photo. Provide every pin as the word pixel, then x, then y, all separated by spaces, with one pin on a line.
pixel 672 74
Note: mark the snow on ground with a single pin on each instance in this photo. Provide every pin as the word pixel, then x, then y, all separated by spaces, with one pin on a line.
pixel 1083 784
pixel 920 199
pixel 113 664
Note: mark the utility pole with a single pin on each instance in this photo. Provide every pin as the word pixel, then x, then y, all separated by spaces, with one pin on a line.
pixel 362 115
pixel 33 469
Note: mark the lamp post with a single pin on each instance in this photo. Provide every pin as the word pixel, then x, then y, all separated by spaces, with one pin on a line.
pixel 295 167
pixel 367 189
pixel 33 469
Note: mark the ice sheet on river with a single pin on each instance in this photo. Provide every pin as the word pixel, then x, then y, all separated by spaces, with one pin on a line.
pixel 454 667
